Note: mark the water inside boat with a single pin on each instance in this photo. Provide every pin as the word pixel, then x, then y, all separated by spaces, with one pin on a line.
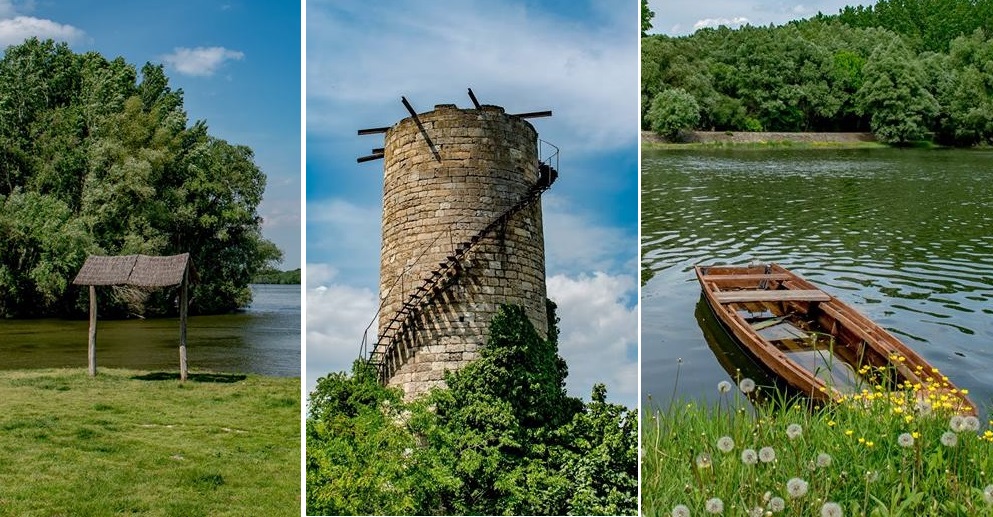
pixel 811 350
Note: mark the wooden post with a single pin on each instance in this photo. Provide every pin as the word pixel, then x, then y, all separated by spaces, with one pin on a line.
pixel 93 331
pixel 183 302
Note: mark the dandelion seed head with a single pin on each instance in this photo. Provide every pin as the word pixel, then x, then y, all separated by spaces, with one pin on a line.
pixel 793 431
pixel 831 509
pixel 970 423
pixel 949 439
pixel 823 460
pixel 756 512
pixel 767 454
pixel 703 461
pixel 777 504
pixel 749 457
pixel 680 510
pixel 714 505
pixel 723 387
pixel 988 494
pixel 871 475
pixel 796 487
pixel 905 440
pixel 957 423
pixel 746 385
pixel 725 444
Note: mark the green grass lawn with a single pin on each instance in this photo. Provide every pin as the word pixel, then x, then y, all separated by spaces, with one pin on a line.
pixel 132 442
pixel 870 455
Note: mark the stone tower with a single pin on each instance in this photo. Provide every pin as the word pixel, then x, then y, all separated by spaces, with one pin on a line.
pixel 462 234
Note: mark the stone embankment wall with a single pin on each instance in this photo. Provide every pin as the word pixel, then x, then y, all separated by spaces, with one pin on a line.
pixel 746 137
pixel 444 182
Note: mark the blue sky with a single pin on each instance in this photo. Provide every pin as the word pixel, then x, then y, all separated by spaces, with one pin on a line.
pixel 678 18
pixel 237 62
pixel 578 59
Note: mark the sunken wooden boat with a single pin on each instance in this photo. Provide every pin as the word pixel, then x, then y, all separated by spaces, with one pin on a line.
pixel 816 343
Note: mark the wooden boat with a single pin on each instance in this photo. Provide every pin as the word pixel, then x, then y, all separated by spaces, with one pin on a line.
pixel 816 343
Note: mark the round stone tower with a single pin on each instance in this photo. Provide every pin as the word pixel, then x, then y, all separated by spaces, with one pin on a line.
pixel 462 234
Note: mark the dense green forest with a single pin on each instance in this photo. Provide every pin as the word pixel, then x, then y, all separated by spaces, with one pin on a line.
pixel 502 439
pixel 275 276
pixel 906 70
pixel 95 159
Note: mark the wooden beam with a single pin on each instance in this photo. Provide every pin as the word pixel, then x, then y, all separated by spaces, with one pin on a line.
pixel 183 310
pixel 370 157
pixel 472 96
pixel 92 350
pixel 533 114
pixel 373 130
pixel 777 295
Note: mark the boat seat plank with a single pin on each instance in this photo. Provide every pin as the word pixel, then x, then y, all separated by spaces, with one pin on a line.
pixel 777 295
pixel 746 277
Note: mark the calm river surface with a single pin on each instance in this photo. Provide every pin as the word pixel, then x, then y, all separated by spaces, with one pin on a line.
pixel 262 339
pixel 904 236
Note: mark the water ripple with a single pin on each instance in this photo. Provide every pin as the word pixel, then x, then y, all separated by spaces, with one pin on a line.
pixel 905 236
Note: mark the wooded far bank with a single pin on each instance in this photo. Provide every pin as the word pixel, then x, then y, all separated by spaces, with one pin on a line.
pixel 905 70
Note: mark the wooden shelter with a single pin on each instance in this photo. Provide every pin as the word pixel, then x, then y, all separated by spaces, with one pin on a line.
pixel 138 271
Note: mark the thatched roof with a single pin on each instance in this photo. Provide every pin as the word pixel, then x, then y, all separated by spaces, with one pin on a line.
pixel 137 270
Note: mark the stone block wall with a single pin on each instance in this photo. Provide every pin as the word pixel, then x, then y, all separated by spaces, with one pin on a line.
pixel 444 182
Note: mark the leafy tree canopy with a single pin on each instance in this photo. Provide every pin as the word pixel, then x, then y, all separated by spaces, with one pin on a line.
pixel 828 73
pixel 672 112
pixel 502 438
pixel 96 158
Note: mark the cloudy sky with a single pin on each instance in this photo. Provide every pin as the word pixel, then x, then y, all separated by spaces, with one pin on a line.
pixel 576 58
pixel 678 18
pixel 237 61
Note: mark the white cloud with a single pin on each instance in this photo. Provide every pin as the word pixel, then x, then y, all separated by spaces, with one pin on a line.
pixel 15 30
pixel 337 315
pixel 511 56
pixel 200 61
pixel 717 22
pixel 576 241
pixel 598 333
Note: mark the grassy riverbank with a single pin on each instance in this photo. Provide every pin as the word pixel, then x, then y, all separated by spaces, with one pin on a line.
pixel 875 457
pixel 138 442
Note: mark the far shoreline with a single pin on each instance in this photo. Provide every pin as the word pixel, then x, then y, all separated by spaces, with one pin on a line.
pixel 761 140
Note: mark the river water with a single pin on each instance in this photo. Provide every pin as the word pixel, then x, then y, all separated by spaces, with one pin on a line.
pixel 263 339
pixel 904 236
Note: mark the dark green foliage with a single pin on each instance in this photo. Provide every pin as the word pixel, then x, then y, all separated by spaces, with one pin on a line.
pixel 503 438
pixel 904 69
pixel 95 159
pixel 928 25
pixel 646 18
pixel 894 94
pixel 672 112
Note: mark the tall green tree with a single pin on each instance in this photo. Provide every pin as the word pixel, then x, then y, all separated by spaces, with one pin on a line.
pixel 673 111
pixel 109 154
pixel 646 18
pixel 895 94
